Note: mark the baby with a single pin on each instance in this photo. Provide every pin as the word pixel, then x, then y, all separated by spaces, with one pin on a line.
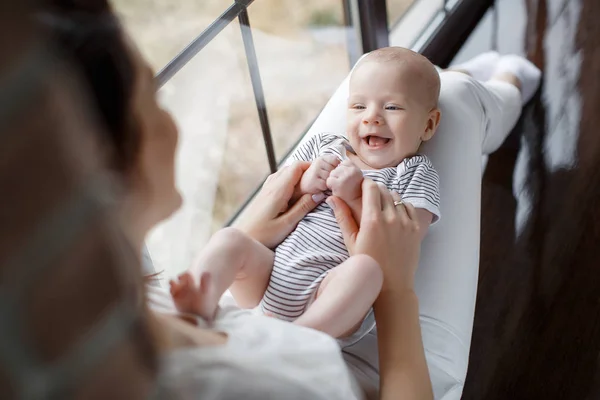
pixel 310 278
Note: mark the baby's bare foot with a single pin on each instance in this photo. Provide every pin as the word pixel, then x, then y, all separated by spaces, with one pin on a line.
pixel 200 299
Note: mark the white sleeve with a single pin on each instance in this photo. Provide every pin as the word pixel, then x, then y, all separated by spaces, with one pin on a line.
pixel 258 367
pixel 226 381
pixel 264 358
pixel 420 185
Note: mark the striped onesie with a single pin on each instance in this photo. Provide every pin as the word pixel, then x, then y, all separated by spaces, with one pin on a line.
pixel 316 246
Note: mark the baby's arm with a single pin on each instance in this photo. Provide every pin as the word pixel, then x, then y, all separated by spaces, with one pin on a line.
pixel 425 218
pixel 345 182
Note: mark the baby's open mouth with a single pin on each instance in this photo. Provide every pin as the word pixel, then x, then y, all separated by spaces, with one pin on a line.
pixel 375 141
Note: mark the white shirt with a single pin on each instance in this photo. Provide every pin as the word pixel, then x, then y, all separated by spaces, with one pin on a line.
pixel 264 358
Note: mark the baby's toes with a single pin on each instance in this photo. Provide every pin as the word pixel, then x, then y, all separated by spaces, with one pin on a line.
pixel 186 279
pixel 174 287
pixel 182 292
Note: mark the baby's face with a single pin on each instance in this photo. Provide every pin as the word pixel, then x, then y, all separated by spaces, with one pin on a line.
pixel 387 119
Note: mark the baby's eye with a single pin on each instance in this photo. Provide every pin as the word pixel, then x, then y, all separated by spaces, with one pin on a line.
pixel 392 107
pixel 358 107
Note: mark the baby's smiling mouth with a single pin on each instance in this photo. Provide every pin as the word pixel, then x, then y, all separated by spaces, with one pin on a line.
pixel 374 142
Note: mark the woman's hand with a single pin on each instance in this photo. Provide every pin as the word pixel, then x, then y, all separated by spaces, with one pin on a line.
pixel 390 234
pixel 269 218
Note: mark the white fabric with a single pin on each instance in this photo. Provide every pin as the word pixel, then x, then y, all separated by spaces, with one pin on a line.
pixel 264 358
pixel 476 118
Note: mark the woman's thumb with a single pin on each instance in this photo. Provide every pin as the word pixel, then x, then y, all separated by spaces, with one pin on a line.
pixel 303 206
pixel 344 218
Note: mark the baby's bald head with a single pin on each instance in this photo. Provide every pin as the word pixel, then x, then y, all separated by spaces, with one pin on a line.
pixel 423 76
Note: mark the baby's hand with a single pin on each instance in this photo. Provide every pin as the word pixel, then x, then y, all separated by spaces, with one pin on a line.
pixel 314 179
pixel 345 181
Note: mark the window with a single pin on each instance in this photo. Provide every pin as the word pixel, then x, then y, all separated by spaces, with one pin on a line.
pixel 303 57
pixel 301 49
pixel 299 54
pixel 417 16
pixel 162 28
pixel 396 10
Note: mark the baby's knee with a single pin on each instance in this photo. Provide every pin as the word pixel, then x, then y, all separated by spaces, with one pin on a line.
pixel 231 238
pixel 367 268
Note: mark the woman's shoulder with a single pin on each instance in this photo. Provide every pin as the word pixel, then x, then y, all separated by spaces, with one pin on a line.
pixel 196 374
pixel 263 358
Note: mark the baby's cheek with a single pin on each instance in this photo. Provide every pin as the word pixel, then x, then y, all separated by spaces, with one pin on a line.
pixel 353 137
pixel 352 124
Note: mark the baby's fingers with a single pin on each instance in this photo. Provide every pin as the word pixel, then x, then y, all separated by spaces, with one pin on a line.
pixel 321 183
pixel 338 172
pixel 332 182
pixel 329 162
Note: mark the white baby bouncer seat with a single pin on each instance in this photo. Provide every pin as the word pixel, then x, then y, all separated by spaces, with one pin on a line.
pixel 446 281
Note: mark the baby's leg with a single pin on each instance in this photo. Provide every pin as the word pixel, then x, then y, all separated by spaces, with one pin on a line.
pixel 228 255
pixel 344 297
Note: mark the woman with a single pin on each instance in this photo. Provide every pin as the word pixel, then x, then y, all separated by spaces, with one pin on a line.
pixel 242 355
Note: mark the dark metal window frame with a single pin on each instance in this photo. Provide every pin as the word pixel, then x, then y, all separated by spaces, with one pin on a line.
pixel 460 20
pixel 368 22
pixel 239 10
pixel 200 42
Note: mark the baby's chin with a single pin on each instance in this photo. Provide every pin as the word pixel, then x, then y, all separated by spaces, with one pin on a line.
pixel 376 162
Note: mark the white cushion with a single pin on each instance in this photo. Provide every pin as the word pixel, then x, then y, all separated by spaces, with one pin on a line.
pixel 447 277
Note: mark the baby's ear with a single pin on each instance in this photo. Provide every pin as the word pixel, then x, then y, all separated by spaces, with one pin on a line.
pixel 433 121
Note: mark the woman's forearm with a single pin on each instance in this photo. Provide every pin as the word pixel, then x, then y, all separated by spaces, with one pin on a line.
pixel 402 366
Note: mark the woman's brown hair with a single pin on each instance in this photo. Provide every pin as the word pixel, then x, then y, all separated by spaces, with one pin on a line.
pixel 89 34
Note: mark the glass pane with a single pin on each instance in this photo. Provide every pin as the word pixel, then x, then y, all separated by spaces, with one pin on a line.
pixel 162 28
pixel 396 9
pixel 418 16
pixel 303 57
pixel 221 156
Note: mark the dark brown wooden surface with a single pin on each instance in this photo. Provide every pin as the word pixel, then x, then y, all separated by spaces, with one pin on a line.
pixel 537 322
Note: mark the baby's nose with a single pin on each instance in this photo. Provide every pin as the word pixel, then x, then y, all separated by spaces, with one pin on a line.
pixel 374 119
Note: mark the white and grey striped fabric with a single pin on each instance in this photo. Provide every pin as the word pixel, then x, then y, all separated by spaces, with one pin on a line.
pixel 303 259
